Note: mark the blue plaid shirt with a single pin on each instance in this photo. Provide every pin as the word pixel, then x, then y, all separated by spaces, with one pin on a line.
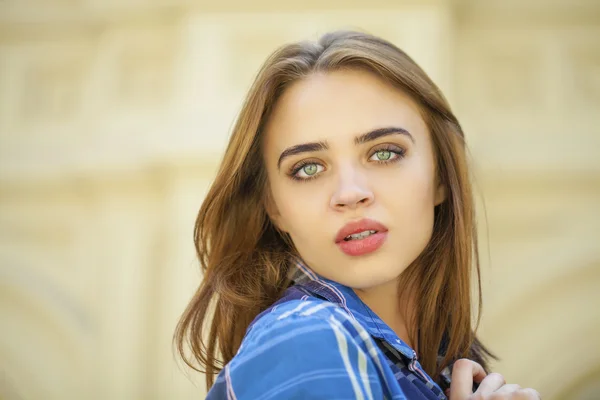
pixel 320 341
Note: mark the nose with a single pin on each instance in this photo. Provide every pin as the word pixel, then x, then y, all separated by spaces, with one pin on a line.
pixel 351 192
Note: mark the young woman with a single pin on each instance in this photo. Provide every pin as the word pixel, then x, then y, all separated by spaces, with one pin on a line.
pixel 338 238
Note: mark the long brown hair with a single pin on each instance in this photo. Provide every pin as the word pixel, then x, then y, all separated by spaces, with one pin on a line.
pixel 245 259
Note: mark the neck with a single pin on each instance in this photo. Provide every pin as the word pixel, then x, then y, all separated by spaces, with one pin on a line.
pixel 398 314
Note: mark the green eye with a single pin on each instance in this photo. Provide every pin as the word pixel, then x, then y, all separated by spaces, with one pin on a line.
pixel 310 169
pixel 384 155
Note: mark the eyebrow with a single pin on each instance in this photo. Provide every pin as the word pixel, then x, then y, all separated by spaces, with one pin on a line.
pixel 364 138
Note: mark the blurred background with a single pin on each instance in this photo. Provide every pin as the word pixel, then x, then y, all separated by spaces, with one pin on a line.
pixel 113 118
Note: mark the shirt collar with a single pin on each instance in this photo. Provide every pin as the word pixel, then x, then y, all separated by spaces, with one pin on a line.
pixel 302 275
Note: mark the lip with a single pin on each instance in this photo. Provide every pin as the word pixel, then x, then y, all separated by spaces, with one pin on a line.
pixel 361 247
pixel 364 224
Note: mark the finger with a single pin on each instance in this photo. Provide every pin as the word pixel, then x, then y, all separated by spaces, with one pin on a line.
pixel 510 388
pixel 516 392
pixel 490 383
pixel 526 394
pixel 464 373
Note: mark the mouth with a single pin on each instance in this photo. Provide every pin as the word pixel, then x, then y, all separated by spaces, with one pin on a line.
pixel 359 230
pixel 361 237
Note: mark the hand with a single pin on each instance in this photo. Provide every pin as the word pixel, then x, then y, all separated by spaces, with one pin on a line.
pixel 491 387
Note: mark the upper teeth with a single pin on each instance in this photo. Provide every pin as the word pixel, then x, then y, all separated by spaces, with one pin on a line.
pixel 360 235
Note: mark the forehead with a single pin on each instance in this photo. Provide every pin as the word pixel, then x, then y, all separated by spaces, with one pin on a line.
pixel 338 106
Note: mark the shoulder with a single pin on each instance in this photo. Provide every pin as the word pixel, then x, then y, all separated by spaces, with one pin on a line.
pixel 300 348
pixel 298 312
pixel 299 322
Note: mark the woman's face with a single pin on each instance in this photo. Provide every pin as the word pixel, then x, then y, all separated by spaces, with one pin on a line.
pixel 345 151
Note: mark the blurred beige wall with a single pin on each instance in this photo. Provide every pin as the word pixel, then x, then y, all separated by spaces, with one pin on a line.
pixel 113 116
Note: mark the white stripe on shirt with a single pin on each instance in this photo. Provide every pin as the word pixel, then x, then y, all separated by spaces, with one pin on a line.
pixel 343 348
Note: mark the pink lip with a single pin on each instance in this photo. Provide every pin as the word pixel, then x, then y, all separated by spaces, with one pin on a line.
pixel 361 246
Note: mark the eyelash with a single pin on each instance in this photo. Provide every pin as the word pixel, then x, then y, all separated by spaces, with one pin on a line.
pixel 399 152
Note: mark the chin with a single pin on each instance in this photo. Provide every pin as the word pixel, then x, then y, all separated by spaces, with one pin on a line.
pixel 367 279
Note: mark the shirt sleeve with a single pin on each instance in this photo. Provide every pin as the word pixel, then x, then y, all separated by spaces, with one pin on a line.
pixel 299 357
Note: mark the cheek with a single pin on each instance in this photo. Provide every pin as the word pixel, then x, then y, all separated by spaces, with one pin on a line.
pixel 411 200
pixel 411 186
pixel 300 208
pixel 423 181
